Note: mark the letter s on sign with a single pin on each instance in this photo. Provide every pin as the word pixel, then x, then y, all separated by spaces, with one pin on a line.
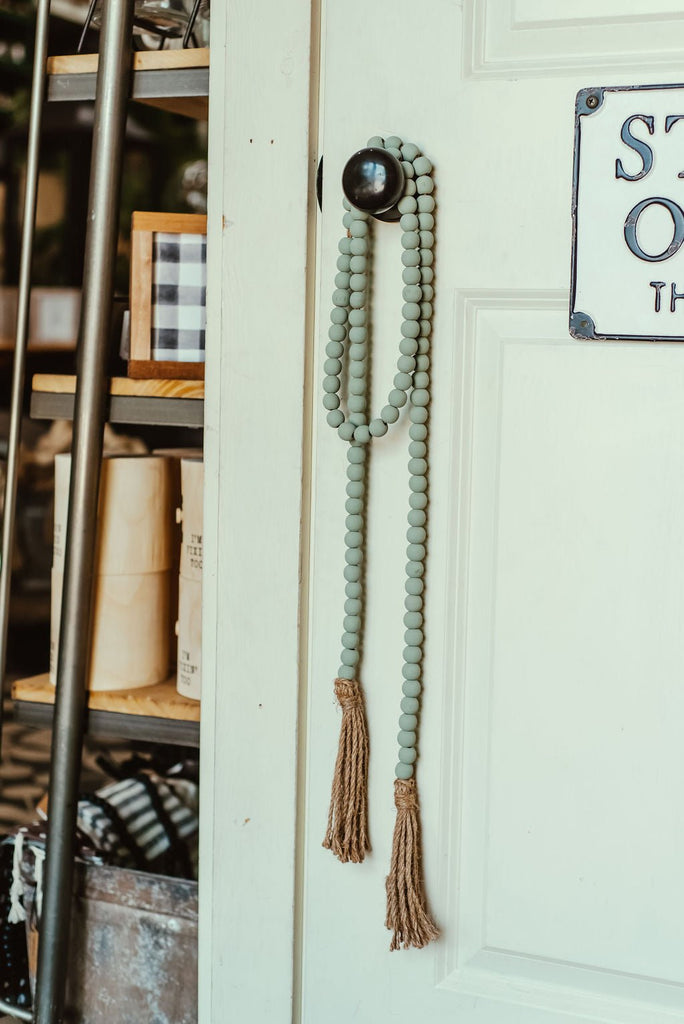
pixel 642 148
pixel 677 215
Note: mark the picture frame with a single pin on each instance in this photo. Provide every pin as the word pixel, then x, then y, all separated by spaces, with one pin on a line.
pixel 167 295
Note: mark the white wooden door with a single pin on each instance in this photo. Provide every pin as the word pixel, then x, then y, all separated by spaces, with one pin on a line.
pixel 551 763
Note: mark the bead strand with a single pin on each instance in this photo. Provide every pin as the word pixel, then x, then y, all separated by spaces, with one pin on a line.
pixel 356 223
pixel 417 222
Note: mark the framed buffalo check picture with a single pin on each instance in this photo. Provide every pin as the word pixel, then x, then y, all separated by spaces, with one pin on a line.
pixel 168 295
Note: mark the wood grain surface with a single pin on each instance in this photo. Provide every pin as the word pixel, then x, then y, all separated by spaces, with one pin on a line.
pixel 160 701
pixel 65 384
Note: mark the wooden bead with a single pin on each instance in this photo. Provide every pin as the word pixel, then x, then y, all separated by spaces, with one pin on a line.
pixel 408 346
pixel 407 205
pixel 403 771
pixel 410 329
pixel 407 755
pixel 406 738
pixel 426 203
pixel 410 706
pixel 411 688
pixel 407 222
pixel 410 240
pixel 417 500
pixel 422 165
pixel 410 258
pixel 406 364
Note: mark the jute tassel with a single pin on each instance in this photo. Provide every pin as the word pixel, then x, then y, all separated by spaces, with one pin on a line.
pixel 347 834
pixel 407 915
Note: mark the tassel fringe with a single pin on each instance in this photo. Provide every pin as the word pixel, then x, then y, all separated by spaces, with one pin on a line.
pixel 347 833
pixel 407 915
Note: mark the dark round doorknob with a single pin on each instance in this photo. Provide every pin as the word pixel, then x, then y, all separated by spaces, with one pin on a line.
pixel 373 180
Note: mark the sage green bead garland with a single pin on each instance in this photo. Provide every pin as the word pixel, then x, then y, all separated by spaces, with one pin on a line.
pixel 347 832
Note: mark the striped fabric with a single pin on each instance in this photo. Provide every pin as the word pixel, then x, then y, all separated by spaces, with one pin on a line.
pixel 137 821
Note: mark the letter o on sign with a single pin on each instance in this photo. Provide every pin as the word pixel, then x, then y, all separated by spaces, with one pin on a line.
pixel 632 221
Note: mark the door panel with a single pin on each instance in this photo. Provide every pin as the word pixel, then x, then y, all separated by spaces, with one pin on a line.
pixel 550 760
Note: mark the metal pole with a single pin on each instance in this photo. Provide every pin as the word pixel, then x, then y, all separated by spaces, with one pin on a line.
pixel 23 301
pixel 113 87
pixel 14 1011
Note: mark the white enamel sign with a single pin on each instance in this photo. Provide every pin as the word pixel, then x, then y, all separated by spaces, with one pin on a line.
pixel 628 214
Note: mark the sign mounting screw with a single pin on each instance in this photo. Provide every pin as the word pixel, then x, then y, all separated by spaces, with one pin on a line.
pixel 592 102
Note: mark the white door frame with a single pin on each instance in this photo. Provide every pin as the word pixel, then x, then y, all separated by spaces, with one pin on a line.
pixel 261 169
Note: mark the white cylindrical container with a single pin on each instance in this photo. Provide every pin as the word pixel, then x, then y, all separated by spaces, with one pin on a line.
pixel 189 665
pixel 192 491
pixel 189 638
pixel 135 529
pixel 130 630
pixel 174 455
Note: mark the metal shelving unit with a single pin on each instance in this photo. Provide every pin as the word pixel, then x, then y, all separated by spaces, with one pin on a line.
pixel 156 403
pixel 177 81
pixel 156 711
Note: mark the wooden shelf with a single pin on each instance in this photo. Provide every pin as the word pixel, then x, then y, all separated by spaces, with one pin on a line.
pixel 178 403
pixel 175 80
pixel 155 714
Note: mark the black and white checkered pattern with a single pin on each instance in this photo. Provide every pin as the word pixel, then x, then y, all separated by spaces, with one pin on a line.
pixel 179 297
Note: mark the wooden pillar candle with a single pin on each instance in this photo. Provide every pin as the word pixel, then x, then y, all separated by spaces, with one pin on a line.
pixel 190 580
pixel 134 561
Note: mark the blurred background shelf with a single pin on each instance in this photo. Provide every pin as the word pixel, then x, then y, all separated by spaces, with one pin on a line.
pixel 156 714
